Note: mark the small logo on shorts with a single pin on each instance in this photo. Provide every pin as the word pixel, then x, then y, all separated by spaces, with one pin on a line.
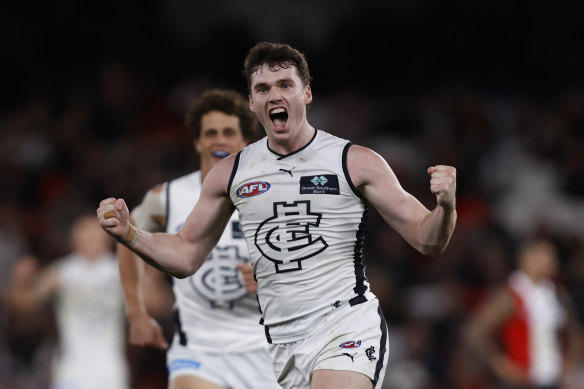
pixel 370 352
pixel 350 344
pixel 350 356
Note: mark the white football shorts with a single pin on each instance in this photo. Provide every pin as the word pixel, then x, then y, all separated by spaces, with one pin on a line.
pixel 354 339
pixel 236 370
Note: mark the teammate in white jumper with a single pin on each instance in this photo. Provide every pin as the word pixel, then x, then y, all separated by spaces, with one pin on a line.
pixel 302 196
pixel 85 288
pixel 218 342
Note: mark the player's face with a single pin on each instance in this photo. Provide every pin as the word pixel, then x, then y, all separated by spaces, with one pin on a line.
pixel 279 100
pixel 547 261
pixel 88 238
pixel 220 136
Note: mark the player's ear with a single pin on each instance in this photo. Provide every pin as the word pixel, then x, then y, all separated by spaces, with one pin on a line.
pixel 307 95
pixel 197 146
pixel 251 105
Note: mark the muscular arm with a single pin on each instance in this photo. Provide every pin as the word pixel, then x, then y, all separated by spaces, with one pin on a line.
pixel 427 231
pixel 183 253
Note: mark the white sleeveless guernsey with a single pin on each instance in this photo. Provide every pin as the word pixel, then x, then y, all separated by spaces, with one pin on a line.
pixel 213 311
pixel 304 225
pixel 90 315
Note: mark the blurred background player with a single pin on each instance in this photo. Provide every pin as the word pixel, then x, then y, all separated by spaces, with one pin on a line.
pixel 85 288
pixel 218 341
pixel 534 320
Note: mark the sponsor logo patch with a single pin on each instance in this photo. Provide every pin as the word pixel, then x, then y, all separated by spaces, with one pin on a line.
pixel 320 184
pixel 350 344
pixel 252 189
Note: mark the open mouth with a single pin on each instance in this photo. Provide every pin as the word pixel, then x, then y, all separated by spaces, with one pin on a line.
pixel 220 154
pixel 279 117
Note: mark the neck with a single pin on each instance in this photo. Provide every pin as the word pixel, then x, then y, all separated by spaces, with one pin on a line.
pixel 535 278
pixel 290 145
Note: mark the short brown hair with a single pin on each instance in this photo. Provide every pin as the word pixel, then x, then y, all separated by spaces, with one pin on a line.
pixel 275 55
pixel 227 101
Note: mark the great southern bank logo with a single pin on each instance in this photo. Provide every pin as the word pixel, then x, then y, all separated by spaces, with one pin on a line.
pixel 252 189
pixel 319 180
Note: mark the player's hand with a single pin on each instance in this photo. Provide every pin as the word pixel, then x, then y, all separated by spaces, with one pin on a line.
pixel 443 185
pixel 248 280
pixel 114 217
pixel 145 331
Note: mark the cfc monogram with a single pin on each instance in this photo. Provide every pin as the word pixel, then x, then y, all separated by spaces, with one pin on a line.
pixel 286 237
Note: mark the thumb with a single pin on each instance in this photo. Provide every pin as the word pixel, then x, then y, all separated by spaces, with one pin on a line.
pixel 122 210
pixel 431 170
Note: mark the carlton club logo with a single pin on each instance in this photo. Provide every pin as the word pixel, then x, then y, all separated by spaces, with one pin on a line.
pixel 288 237
pixel 252 189
pixel 218 280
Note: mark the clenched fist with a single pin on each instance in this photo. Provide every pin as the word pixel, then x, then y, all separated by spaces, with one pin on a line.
pixel 114 217
pixel 443 185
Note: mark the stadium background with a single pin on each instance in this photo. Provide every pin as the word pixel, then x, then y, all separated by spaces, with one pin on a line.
pixel 92 99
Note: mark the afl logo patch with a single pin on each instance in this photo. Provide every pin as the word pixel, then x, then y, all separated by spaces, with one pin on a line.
pixel 252 189
pixel 350 344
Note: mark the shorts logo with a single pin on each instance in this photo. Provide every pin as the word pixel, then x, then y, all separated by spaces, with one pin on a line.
pixel 350 344
pixel 370 352
pixel 252 189
pixel 320 184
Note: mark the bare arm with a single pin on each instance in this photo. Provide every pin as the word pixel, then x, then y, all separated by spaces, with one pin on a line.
pixel 427 231
pixel 481 326
pixel 30 287
pixel 183 253
pixel 478 335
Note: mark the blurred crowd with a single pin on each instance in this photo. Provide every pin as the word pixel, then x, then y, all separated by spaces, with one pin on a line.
pixel 116 132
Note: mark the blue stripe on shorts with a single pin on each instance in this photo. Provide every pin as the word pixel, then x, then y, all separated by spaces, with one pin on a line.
pixel 178 364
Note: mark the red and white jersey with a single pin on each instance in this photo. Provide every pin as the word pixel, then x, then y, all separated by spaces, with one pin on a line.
pixel 531 335
pixel 304 225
